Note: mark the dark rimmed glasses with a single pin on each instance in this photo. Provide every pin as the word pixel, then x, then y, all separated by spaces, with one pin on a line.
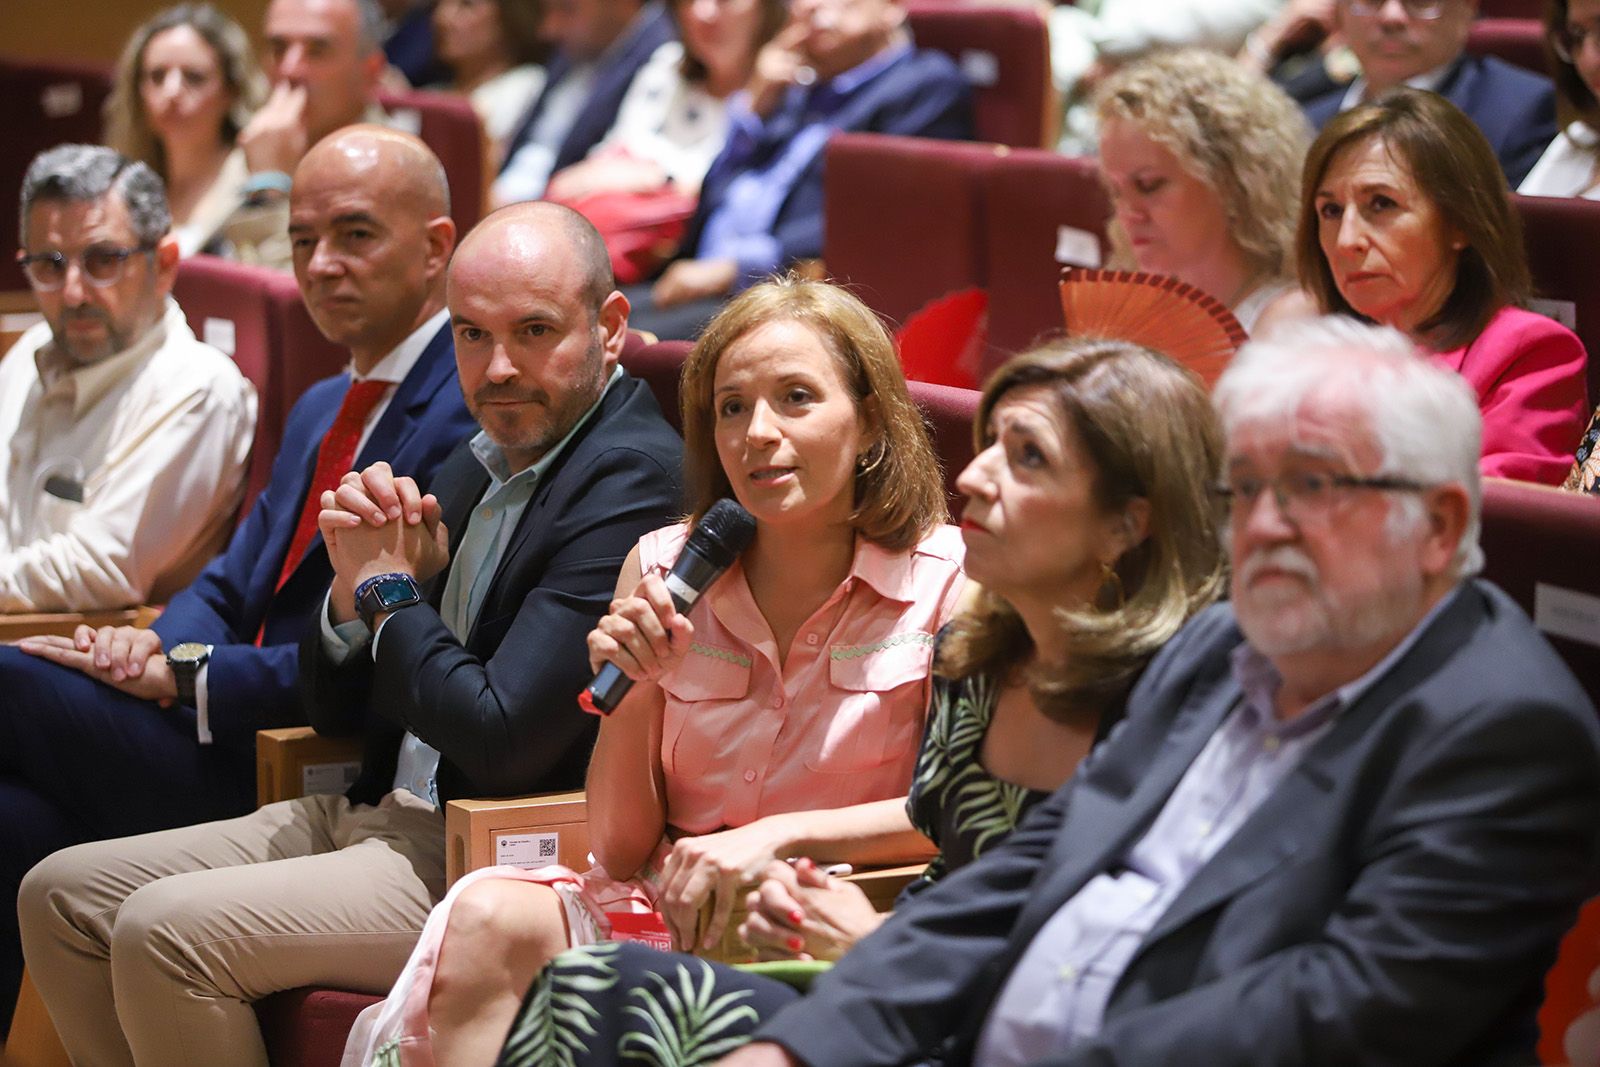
pixel 1306 494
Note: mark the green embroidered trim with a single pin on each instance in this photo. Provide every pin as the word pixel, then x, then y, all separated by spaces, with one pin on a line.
pixel 719 653
pixel 916 637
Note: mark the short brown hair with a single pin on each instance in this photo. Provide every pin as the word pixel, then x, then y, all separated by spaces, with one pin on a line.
pixel 1106 393
pixel 773 15
pixel 899 495
pixel 1451 161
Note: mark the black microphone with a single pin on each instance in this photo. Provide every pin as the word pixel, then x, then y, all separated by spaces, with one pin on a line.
pixel 714 543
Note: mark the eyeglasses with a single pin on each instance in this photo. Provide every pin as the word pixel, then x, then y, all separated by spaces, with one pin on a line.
pixel 1305 495
pixel 1427 10
pixel 102 265
pixel 1568 41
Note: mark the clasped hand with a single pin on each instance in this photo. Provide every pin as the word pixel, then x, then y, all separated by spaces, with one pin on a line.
pixel 377 523
pixel 122 657
pixel 801 912
pixel 713 867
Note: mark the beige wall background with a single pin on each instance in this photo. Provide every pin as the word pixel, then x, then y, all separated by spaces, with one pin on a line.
pixel 92 30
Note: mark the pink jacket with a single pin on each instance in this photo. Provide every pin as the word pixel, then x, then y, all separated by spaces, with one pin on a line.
pixel 1529 374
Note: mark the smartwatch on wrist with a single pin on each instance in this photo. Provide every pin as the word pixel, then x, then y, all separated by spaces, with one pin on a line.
pixel 385 592
pixel 185 661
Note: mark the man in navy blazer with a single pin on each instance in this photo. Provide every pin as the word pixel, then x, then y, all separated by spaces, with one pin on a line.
pixel 1347 819
pixel 1422 43
pixel 96 747
pixel 603 43
pixel 836 65
pixel 453 637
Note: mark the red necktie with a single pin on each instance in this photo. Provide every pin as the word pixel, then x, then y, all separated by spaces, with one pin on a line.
pixel 334 459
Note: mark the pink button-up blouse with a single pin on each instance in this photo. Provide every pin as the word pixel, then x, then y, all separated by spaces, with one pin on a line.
pixel 745 736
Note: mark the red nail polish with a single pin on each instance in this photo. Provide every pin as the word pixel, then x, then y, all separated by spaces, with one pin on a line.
pixel 797 916
pixel 796 944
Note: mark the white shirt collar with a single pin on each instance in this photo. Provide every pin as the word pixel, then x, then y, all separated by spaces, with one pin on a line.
pixel 1428 79
pixel 398 363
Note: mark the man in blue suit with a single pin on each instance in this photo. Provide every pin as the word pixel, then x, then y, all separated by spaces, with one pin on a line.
pixel 601 46
pixel 101 735
pixel 1421 43
pixel 837 65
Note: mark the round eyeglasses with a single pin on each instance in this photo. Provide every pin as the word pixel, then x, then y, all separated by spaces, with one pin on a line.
pixel 101 264
pixel 1427 10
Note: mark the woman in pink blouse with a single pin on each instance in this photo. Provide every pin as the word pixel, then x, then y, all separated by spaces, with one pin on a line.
pixel 780 717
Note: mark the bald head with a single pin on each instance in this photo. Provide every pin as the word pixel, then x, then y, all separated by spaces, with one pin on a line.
pixel 370 229
pixel 400 164
pixel 584 247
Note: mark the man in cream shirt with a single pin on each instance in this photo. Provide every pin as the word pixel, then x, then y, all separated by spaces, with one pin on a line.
pixel 123 439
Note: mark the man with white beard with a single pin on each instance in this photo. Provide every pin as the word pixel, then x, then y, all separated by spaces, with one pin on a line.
pixel 1349 814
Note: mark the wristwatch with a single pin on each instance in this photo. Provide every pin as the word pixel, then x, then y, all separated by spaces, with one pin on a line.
pixel 185 661
pixel 385 592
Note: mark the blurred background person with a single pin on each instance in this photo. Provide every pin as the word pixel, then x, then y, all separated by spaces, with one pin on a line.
pixel 1571 165
pixel 836 65
pixel 1092 38
pixel 495 56
pixel 1405 221
pixel 1422 44
pixel 1202 158
pixel 185 86
pixel 640 185
pixel 409 46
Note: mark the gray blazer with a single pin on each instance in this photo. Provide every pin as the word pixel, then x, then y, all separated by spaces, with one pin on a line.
pixel 1397 900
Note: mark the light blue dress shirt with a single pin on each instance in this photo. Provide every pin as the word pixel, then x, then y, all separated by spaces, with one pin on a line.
pixel 1057 994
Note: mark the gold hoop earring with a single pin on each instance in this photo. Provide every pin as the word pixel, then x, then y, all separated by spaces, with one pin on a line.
pixel 870 460
pixel 1110 577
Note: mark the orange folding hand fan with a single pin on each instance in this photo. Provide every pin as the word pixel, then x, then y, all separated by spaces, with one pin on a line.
pixel 1154 310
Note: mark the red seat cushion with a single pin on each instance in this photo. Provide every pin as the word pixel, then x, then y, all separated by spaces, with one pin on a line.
pixel 308 1027
pixel 1004 52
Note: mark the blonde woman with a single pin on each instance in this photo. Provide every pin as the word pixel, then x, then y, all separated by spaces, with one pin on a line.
pixel 185 85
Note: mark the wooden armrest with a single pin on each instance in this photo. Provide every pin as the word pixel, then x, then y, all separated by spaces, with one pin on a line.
pixel 296 761
pixel 66 623
pixel 880 884
pixel 33 1041
pixel 532 831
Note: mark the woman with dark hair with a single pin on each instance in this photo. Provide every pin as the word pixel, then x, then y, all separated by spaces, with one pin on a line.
pixel 781 715
pixel 496 59
pixel 1571 165
pixel 1093 533
pixel 1405 220
pixel 185 85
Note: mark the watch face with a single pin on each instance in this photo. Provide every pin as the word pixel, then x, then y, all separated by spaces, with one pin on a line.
pixel 392 591
pixel 188 652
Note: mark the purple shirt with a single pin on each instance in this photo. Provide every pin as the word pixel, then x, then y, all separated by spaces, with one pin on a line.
pixel 1056 995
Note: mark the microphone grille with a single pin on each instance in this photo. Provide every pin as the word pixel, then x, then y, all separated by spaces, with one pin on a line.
pixel 724 531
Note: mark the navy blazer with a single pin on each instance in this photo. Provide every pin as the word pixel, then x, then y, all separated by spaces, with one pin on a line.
pixel 922 95
pixel 1396 900
pixel 651 29
pixel 502 707
pixel 1515 109
pixel 250 688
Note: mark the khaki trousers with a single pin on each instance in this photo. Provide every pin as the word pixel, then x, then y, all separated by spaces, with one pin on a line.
pixel 149 950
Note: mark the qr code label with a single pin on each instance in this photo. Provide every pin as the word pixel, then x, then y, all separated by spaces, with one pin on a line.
pixel 526 850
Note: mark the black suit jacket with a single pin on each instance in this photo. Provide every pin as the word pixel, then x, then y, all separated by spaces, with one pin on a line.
pixel 1515 109
pixel 652 29
pixel 1396 900
pixel 501 707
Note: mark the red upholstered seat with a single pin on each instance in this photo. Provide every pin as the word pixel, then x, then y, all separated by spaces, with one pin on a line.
pixel 256 316
pixel 1539 547
pixel 449 126
pixel 1519 41
pixel 42 104
pixel 1004 51
pixel 949 412
pixel 308 1027
pixel 1510 9
pixel 903 220
pixel 1561 236
pixel 1043 212
pixel 660 364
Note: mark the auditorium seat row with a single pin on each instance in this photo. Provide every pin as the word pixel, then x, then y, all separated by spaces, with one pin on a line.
pixel 1008 220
